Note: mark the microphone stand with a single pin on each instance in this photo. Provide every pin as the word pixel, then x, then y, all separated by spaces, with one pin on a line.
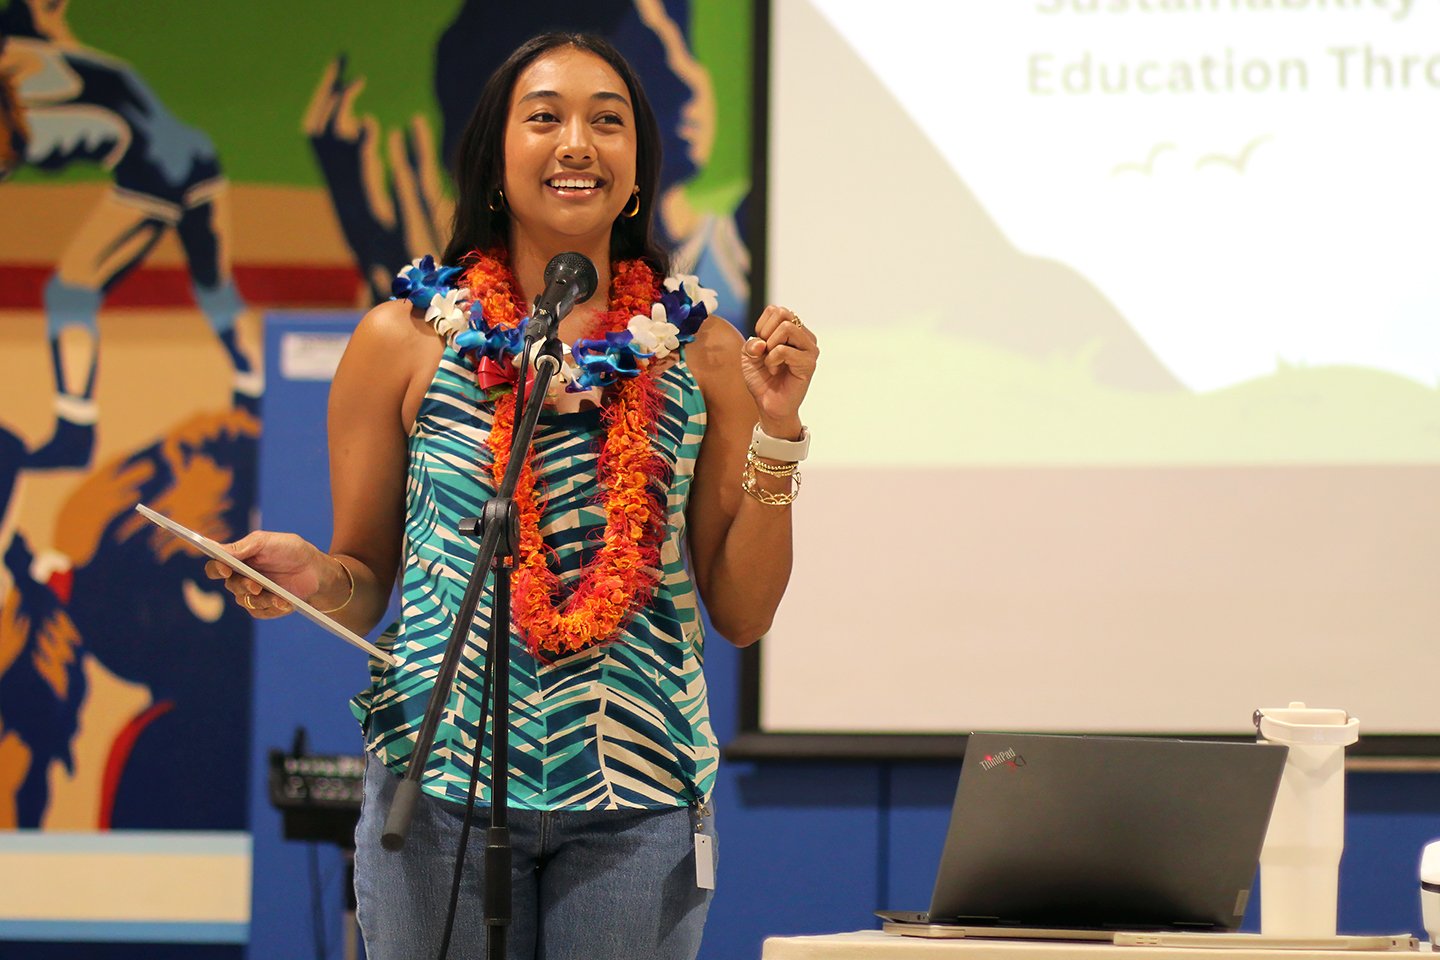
pixel 499 532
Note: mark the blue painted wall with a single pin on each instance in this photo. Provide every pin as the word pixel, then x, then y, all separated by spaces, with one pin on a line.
pixel 303 676
pixel 805 847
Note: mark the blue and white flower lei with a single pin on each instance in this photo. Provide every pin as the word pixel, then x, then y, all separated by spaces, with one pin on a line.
pixel 674 319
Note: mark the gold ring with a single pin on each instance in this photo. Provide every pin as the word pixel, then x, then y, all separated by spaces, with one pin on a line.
pixel 247 601
pixel 795 319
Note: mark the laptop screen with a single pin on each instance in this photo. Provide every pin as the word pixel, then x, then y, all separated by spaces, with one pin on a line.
pixel 1124 832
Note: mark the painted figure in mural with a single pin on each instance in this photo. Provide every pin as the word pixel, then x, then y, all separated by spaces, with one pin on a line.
pixel 70 104
pixel 672 439
pixel 389 222
pixel 117 656
pixel 105 636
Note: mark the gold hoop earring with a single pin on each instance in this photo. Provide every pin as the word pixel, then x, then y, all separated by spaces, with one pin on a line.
pixel 628 213
pixel 497 202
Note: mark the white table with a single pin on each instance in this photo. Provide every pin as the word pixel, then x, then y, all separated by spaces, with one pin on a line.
pixel 874 945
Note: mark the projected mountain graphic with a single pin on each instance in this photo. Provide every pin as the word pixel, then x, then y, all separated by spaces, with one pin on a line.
pixel 926 236
pixel 1005 357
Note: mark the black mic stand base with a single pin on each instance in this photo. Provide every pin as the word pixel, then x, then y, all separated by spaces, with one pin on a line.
pixel 402 808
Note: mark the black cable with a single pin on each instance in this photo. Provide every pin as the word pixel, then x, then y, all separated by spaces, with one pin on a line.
pixel 317 908
pixel 470 799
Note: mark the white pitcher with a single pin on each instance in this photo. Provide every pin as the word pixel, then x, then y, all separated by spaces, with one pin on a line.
pixel 1300 861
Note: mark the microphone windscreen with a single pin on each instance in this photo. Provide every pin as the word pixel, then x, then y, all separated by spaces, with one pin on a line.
pixel 576 268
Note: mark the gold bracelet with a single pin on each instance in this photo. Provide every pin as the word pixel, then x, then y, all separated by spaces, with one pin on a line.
pixel 753 461
pixel 349 596
pixel 770 499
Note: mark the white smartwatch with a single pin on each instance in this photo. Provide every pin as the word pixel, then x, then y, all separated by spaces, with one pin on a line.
pixel 788 451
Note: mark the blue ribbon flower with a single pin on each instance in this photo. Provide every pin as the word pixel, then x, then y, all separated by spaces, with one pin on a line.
pixel 602 362
pixel 686 316
pixel 500 344
pixel 422 280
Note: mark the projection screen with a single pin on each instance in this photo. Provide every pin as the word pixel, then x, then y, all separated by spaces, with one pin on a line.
pixel 1128 415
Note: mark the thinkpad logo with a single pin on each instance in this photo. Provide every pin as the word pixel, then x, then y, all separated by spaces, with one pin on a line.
pixel 1008 757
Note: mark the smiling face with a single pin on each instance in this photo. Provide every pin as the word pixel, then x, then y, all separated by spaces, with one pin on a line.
pixel 570 145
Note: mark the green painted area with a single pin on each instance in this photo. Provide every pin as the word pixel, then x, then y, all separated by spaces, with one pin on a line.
pixel 722 36
pixel 245 73
pixel 976 404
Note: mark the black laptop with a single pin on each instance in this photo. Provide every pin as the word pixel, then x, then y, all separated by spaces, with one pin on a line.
pixel 1081 836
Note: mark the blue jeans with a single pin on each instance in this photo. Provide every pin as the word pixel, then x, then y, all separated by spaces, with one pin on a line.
pixel 587 885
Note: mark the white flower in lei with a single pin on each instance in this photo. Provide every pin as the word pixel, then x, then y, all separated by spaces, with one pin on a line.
pixel 448 312
pixel 690 284
pixel 654 334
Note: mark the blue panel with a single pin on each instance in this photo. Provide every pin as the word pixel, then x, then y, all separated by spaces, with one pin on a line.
pixel 722 676
pixel 1389 818
pixel 921 796
pixel 1251 921
pixel 303 676
pixel 798 853
pixel 798 841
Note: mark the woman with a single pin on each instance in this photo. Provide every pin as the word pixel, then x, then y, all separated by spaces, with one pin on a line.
pixel 612 753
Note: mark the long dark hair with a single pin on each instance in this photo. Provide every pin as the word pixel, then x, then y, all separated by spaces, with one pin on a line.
pixel 479 163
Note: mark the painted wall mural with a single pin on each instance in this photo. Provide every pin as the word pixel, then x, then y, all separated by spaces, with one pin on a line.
pixel 167 175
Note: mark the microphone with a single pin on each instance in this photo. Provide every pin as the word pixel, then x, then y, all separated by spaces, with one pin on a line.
pixel 570 278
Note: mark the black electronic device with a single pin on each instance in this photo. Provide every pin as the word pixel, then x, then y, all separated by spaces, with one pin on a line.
pixel 317 794
pixel 1051 835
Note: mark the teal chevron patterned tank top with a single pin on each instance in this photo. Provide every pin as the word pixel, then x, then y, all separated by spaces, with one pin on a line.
pixel 622 725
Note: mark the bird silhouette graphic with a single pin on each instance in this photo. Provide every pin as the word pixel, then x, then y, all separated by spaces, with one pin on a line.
pixel 1148 167
pixel 1237 162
